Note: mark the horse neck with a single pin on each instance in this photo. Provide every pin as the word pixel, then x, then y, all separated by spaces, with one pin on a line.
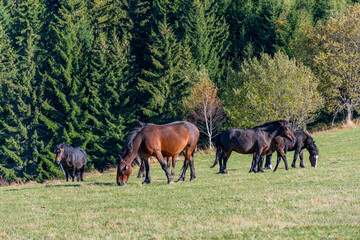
pixel 270 132
pixel 130 156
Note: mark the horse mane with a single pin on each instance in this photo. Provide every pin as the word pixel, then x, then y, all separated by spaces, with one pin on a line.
pixel 271 123
pixel 129 140
pixel 310 143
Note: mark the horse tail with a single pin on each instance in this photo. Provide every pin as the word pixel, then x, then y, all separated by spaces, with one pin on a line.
pixel 219 149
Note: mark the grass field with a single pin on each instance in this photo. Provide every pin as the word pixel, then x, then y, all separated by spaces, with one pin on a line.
pixel 310 203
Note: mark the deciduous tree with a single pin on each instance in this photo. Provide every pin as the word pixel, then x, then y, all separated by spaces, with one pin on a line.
pixel 271 89
pixel 204 105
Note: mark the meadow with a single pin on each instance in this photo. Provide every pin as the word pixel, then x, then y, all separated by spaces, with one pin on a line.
pixel 309 203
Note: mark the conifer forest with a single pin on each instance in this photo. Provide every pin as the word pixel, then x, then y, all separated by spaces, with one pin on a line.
pixel 86 72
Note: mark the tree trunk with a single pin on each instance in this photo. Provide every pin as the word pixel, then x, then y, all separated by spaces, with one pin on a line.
pixel 348 114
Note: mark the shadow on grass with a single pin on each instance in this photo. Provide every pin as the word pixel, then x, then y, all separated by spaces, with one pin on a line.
pixel 60 186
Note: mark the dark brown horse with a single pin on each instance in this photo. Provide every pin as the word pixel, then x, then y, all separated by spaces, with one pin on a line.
pixel 159 141
pixel 302 140
pixel 255 141
pixel 74 159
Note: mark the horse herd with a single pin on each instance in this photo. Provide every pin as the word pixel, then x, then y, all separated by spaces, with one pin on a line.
pixel 168 140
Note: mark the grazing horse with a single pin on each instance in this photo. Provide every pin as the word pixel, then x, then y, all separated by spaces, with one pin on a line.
pixel 255 141
pixel 302 141
pixel 160 141
pixel 74 159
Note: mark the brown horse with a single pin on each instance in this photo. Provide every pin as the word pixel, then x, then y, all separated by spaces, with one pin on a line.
pixel 160 141
pixel 255 141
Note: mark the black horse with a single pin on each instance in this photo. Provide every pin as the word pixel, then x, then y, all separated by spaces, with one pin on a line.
pixel 249 141
pixel 74 159
pixel 302 140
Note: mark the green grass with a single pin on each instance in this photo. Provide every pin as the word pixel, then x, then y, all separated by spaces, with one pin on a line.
pixel 310 203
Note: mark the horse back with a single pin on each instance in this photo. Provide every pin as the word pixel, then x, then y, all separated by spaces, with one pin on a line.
pixel 170 138
pixel 240 140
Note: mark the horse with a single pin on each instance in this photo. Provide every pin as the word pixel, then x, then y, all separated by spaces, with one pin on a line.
pixel 302 141
pixel 249 141
pixel 160 141
pixel 74 159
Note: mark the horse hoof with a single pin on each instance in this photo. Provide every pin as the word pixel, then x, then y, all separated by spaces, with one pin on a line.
pixel 146 182
pixel 302 166
pixel 286 169
pixel 261 170
pixel 180 180
pixel 293 166
pixel 192 179
pixel 171 182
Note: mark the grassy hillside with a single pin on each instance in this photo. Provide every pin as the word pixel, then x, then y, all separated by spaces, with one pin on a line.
pixel 315 203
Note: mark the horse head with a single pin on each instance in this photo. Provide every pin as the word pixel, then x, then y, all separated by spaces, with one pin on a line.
pixel 314 153
pixel 285 131
pixel 123 171
pixel 59 151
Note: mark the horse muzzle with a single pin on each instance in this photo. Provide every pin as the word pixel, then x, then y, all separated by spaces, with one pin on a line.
pixel 121 183
pixel 315 162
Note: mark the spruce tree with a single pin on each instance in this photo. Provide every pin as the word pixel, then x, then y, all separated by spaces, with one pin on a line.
pixel 111 65
pixel 23 148
pixel 66 108
pixel 8 77
pixel 164 84
pixel 207 35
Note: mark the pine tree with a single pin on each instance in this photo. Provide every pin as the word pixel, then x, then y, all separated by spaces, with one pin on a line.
pixel 164 82
pixel 66 111
pixel 8 77
pixel 23 148
pixel 207 36
pixel 111 65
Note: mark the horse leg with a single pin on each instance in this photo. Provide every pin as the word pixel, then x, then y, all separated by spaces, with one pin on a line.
pixel 268 161
pixel 295 157
pixel 147 170
pixel 186 164
pixel 78 175
pixel 260 164
pixel 82 173
pixel 283 156
pixel 192 169
pixel 277 162
pixel 221 162
pixel 225 159
pixel 255 161
pixel 66 175
pixel 301 159
pixel 73 174
pixel 163 166
pixel 142 166
pixel 168 163
pixel 174 158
